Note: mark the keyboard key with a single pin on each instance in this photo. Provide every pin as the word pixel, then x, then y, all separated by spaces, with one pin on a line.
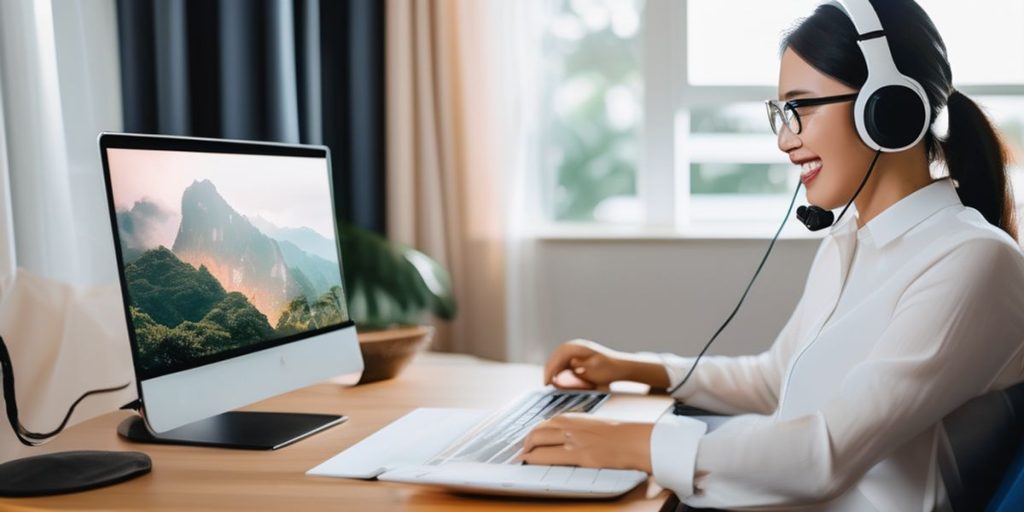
pixel 558 474
pixel 606 479
pixel 582 477
pixel 531 473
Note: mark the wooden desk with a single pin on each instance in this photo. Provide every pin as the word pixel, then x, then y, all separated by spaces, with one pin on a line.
pixel 189 478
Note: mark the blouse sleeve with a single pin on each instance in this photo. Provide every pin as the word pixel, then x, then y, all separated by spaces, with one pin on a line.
pixel 954 330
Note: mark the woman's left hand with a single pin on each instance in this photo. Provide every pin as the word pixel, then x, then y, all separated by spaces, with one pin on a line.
pixel 577 439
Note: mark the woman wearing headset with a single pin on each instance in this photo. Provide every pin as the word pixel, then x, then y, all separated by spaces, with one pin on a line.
pixel 912 306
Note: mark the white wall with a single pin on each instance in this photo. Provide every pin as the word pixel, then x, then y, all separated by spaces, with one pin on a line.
pixel 661 295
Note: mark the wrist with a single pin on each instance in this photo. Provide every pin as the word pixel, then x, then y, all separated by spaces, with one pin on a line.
pixel 646 370
pixel 642 447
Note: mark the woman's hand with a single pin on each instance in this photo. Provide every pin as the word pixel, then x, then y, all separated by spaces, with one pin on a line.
pixel 575 439
pixel 588 365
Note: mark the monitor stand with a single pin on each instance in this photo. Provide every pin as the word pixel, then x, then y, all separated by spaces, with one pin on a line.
pixel 244 430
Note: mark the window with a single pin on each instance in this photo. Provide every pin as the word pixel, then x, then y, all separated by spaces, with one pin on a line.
pixel 652 110
pixel 593 108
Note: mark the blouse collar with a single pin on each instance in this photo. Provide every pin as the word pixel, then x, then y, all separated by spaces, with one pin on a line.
pixel 906 213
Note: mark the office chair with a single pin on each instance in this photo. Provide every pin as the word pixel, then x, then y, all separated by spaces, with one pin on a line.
pixel 1010 495
pixel 981 457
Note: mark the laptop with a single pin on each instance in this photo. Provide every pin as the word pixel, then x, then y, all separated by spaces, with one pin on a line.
pixel 475 451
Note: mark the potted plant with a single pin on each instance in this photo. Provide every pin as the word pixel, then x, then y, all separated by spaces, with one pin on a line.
pixel 390 288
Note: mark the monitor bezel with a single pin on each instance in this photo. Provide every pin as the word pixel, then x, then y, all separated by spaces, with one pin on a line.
pixel 205 145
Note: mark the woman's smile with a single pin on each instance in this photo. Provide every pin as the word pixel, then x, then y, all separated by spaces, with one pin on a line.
pixel 809 170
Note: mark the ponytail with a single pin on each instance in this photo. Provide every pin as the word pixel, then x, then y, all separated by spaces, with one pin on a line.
pixel 976 158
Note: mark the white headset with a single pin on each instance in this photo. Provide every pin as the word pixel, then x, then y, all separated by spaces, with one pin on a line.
pixel 892 110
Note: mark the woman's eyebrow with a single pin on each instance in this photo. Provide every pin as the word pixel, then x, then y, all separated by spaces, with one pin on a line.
pixel 796 92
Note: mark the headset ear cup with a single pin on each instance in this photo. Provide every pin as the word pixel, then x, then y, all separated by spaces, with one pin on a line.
pixel 894 116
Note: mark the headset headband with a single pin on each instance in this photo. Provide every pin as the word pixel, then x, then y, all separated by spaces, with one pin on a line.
pixel 892 110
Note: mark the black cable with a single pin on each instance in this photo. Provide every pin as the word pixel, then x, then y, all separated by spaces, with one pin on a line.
pixel 29 438
pixel 761 265
pixel 744 296
pixel 862 183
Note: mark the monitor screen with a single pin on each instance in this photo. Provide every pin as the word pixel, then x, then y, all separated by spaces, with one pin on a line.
pixel 223 253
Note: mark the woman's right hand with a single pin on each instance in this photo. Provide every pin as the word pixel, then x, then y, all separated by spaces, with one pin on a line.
pixel 585 364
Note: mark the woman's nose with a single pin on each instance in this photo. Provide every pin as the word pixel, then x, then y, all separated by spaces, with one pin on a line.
pixel 787 140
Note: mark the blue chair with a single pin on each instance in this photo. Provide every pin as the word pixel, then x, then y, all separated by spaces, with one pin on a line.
pixel 981 456
pixel 1009 497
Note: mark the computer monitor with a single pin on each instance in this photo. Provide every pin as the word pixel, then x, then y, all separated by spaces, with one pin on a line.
pixel 231 276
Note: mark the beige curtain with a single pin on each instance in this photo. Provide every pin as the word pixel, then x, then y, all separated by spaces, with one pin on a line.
pixel 443 170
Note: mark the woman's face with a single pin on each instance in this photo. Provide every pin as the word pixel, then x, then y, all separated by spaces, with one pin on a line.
pixel 828 135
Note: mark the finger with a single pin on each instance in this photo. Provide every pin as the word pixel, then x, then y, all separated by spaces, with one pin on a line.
pixel 567 380
pixel 582 369
pixel 562 358
pixel 597 368
pixel 575 416
pixel 550 455
pixel 579 419
pixel 559 360
pixel 582 366
pixel 543 437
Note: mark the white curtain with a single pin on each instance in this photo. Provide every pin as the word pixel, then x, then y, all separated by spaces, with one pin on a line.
pixel 520 37
pixel 60 304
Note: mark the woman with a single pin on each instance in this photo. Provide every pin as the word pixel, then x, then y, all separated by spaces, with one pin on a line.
pixel 912 307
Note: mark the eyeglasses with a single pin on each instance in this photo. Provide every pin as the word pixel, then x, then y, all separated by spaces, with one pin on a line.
pixel 784 113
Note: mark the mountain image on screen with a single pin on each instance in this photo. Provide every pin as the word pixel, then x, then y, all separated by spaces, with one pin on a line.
pixel 242 258
pixel 223 285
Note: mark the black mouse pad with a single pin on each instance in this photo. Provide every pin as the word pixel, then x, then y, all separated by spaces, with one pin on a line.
pixel 67 472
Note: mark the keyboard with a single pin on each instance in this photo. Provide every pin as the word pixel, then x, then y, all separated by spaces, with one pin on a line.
pixel 501 438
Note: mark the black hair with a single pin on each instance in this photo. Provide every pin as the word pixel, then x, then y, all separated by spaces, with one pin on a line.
pixel 972 149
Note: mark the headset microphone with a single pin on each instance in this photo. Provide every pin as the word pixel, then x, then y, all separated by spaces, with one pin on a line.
pixel 814 218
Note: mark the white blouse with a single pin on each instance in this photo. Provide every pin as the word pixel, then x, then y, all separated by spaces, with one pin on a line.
pixel 900 322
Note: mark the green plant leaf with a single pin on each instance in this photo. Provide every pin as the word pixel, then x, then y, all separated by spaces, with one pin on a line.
pixel 437 281
pixel 388 284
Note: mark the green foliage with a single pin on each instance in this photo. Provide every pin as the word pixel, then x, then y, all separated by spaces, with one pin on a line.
pixel 240 318
pixel 181 314
pixel 330 308
pixel 295 318
pixel 162 347
pixel 304 315
pixel 203 337
pixel 169 290
pixel 149 336
pixel 388 284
